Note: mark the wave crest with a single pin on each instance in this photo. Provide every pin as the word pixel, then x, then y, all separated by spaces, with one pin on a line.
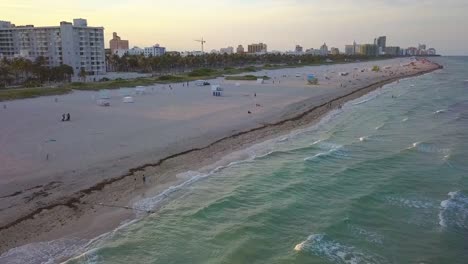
pixel 454 211
pixel 322 246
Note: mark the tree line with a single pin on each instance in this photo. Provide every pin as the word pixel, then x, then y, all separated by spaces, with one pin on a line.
pixel 21 71
pixel 176 64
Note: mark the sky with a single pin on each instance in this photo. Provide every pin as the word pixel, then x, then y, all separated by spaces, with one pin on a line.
pixel 279 23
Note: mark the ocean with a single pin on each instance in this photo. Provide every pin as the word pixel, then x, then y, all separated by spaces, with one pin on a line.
pixel 382 180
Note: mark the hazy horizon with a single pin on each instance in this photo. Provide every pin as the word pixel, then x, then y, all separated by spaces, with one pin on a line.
pixel 279 23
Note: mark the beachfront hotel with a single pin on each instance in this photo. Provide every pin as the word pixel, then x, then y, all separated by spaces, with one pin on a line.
pixel 257 48
pixel 74 44
pixel 116 43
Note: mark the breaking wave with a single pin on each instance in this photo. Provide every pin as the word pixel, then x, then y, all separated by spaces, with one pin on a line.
pixel 322 246
pixel 453 212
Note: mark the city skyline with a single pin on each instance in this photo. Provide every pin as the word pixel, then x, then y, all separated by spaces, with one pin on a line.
pixel 308 24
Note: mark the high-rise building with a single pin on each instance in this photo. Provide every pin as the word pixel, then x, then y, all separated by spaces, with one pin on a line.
pixel 76 45
pixel 352 49
pixel 117 43
pixel 381 43
pixel 411 51
pixel 369 50
pixel 257 48
pixel 324 49
pixel 392 51
pixel 335 51
pixel 240 49
pixel 299 49
pixel 431 51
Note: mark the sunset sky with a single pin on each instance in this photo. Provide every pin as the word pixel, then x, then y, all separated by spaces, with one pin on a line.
pixel 280 23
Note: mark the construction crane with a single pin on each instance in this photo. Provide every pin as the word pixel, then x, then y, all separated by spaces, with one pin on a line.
pixel 202 43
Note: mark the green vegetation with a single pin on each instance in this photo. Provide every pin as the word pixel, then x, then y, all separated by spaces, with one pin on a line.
pixel 20 71
pixel 24 73
pixel 13 94
pixel 247 78
pixel 376 68
pixel 203 72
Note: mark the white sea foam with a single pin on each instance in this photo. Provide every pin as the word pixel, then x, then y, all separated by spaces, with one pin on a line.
pixel 325 145
pixel 320 245
pixel 366 234
pixel 454 211
pixel 379 127
pixel 404 119
pixel 408 203
pixel 43 252
pixel 430 148
pixel 440 111
pixel 362 139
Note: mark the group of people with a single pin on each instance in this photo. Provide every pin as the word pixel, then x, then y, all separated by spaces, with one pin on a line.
pixel 66 117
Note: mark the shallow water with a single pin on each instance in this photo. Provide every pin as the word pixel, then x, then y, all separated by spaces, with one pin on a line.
pixel 383 180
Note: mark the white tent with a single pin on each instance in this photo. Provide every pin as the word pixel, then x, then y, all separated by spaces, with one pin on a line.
pixel 260 80
pixel 216 90
pixel 103 102
pixel 237 84
pixel 128 99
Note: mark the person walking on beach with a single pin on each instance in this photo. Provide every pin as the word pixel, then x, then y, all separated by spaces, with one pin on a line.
pixel 68 117
pixel 63 117
pixel 255 94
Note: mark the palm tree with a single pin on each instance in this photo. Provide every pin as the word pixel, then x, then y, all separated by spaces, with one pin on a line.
pixel 6 74
pixel 82 74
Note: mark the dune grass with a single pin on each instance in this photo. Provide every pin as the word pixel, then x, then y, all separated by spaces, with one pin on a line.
pixel 247 78
pixel 21 93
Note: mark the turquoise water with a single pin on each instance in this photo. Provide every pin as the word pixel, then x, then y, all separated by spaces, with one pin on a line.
pixel 383 180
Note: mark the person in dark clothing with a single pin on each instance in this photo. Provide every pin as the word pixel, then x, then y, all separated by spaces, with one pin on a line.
pixel 63 117
pixel 248 112
pixel 68 117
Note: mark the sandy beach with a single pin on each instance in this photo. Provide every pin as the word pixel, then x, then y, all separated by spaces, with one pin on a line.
pixel 75 179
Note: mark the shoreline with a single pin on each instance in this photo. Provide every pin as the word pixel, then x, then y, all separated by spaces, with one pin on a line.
pixel 81 209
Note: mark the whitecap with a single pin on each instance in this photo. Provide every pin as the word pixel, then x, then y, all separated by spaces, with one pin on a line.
pixel 454 211
pixel 369 236
pixel 440 111
pixel 362 139
pixel 430 148
pixel 408 203
pixel 322 246
pixel 404 119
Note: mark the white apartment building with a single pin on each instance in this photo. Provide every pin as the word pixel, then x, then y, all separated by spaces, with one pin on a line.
pixel 135 51
pixel 76 45
pixel 228 50
pixel 154 51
